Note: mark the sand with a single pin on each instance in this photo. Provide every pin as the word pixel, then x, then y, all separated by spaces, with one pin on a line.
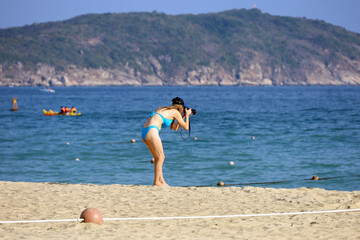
pixel 44 201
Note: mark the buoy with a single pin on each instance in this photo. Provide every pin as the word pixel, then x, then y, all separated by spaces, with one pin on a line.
pixel 315 178
pixel 221 183
pixel 195 138
pixel 133 140
pixel 92 215
pixel 231 163
pixel 152 160
pixel 67 143
pixel 77 159
pixel 253 137
pixel 14 104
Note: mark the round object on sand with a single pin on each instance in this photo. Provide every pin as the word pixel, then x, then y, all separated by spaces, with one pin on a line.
pixel 221 183
pixel 92 215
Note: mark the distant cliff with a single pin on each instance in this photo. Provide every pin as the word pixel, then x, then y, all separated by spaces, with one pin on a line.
pixel 237 47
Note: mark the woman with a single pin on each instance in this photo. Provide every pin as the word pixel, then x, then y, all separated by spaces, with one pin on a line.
pixel 171 116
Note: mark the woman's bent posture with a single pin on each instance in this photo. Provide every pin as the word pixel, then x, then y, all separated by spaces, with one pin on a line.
pixel 170 116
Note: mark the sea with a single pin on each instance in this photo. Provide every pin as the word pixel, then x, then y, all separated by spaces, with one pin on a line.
pixel 270 137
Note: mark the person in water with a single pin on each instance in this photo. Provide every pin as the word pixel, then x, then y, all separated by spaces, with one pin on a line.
pixel 73 109
pixel 170 116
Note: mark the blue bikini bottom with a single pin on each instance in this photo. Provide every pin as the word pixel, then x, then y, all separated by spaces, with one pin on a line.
pixel 144 131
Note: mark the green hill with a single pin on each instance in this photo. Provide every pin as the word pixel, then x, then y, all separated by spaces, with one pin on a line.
pixel 177 45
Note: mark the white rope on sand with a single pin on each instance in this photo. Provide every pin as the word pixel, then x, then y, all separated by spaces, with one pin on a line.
pixel 44 221
pixel 233 216
pixel 188 217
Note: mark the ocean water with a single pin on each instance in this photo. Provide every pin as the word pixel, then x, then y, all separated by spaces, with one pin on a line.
pixel 298 132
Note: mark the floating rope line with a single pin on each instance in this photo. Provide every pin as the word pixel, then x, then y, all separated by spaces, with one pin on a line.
pixel 314 178
pixel 103 143
pixel 188 217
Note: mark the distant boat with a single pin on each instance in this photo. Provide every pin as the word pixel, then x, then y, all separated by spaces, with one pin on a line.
pixel 47 90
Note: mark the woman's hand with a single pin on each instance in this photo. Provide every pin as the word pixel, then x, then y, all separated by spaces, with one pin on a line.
pixel 181 119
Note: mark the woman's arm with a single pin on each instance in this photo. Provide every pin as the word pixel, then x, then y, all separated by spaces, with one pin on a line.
pixel 180 121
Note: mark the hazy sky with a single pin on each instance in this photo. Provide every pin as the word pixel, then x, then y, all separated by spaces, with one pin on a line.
pixel 344 13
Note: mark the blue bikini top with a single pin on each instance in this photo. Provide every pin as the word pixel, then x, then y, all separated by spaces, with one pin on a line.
pixel 166 121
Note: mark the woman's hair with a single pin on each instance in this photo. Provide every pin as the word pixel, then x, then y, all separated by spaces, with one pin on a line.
pixel 178 104
pixel 178 107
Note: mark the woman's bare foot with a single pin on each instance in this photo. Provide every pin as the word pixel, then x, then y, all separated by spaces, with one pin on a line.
pixel 159 184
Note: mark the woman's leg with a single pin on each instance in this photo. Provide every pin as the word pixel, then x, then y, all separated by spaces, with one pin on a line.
pixel 155 146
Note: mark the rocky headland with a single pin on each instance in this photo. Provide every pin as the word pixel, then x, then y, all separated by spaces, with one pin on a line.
pixel 311 73
pixel 232 48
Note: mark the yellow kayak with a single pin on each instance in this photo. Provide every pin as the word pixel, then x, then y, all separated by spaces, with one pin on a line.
pixel 52 113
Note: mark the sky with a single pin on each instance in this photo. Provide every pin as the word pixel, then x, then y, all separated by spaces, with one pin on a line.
pixel 16 13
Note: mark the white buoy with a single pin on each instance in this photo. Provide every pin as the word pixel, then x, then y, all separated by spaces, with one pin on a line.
pixel 221 183
pixel 77 159
pixel 67 143
pixel 231 163
pixel 315 178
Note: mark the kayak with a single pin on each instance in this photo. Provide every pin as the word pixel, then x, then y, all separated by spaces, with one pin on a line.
pixel 51 113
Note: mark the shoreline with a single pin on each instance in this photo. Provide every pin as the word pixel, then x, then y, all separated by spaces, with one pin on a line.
pixel 42 201
pixel 185 86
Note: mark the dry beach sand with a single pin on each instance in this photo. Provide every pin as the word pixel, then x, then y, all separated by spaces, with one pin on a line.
pixel 37 201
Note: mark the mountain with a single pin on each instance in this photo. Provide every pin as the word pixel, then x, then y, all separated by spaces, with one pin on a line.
pixel 236 47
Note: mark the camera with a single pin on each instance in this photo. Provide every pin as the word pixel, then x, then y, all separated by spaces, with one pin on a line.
pixel 193 111
pixel 179 101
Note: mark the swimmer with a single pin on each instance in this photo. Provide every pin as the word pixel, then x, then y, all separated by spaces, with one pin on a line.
pixel 170 116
